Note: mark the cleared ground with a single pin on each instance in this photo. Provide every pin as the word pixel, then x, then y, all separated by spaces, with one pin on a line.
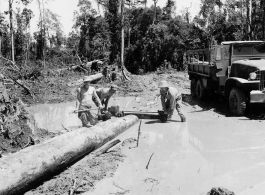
pixel 212 149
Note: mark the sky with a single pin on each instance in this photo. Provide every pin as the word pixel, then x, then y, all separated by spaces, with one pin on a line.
pixel 66 8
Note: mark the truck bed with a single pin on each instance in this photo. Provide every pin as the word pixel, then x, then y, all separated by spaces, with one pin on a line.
pixel 202 68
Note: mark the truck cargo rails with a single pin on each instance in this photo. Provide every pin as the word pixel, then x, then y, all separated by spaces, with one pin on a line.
pixel 235 70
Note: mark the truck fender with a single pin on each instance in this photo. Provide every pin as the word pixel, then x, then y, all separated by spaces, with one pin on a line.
pixel 233 82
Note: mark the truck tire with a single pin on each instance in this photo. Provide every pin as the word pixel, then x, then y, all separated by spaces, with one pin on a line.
pixel 201 92
pixel 237 102
pixel 193 88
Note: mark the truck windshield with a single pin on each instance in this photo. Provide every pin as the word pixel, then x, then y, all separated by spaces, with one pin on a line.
pixel 249 49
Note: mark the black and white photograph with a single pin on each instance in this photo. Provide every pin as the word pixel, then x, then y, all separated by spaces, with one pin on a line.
pixel 132 97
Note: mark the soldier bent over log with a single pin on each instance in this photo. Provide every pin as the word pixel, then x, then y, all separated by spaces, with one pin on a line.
pixel 171 98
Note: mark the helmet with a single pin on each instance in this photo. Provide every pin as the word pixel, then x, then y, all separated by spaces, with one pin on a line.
pixel 163 84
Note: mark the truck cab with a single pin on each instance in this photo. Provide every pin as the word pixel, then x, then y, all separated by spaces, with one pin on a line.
pixel 235 70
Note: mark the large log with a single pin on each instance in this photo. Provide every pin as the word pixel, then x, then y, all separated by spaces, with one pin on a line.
pixel 23 169
pixel 95 78
pixel 89 64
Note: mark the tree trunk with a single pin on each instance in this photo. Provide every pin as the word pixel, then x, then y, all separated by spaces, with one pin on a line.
pixel 96 77
pixel 44 36
pixel 129 31
pixel 27 50
pixel 129 37
pixel 154 19
pixel 0 45
pixel 11 30
pixel 263 29
pixel 28 167
pixel 122 34
pixel 40 35
pixel 249 21
pixel 27 44
pixel 242 30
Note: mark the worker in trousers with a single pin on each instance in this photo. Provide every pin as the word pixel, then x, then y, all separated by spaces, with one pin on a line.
pixel 171 98
pixel 84 103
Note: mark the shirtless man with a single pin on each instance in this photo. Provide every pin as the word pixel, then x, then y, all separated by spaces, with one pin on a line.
pixel 104 95
pixel 84 102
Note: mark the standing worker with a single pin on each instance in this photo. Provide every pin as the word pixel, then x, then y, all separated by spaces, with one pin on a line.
pixel 104 95
pixel 171 98
pixel 84 102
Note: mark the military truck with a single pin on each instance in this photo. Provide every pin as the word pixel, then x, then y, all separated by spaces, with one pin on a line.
pixel 235 70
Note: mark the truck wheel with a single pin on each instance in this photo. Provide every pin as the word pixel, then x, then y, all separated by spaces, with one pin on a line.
pixel 237 102
pixel 201 92
pixel 193 88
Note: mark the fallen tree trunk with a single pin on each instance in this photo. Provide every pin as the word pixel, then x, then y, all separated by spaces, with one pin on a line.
pixel 89 64
pixel 21 170
pixel 25 87
pixel 95 78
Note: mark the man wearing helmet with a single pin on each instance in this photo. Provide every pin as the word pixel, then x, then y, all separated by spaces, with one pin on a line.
pixel 171 98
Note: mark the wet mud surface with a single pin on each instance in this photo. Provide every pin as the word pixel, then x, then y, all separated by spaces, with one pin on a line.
pixel 209 150
pixel 212 149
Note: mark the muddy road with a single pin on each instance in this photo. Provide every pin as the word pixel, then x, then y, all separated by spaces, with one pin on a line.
pixel 212 149
pixel 209 150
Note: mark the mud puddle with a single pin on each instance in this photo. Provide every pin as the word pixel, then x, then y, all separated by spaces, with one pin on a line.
pixel 56 117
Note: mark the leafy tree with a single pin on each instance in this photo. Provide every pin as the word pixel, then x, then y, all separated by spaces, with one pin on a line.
pixel 11 12
pixel 27 15
pixel 73 40
pixel 113 20
pixel 84 19
pixel 53 28
pixel 4 47
pixel 169 10
pixel 155 2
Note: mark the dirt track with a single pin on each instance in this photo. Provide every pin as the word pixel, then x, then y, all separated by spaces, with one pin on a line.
pixel 219 149
pixel 210 150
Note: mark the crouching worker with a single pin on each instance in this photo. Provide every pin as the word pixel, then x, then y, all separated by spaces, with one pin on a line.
pixel 84 102
pixel 171 98
pixel 105 94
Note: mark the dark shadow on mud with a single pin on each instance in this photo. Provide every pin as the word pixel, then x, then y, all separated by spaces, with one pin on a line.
pixel 257 112
pixel 212 103
pixel 152 122
pixel 158 121
pixel 220 106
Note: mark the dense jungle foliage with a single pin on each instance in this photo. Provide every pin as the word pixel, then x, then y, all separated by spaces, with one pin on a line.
pixel 152 34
